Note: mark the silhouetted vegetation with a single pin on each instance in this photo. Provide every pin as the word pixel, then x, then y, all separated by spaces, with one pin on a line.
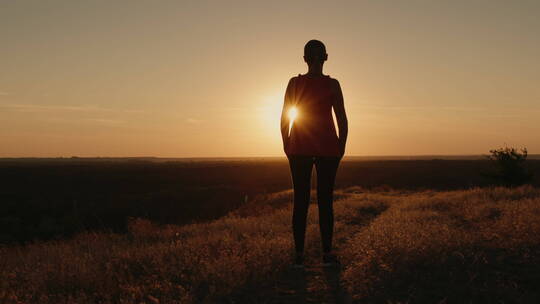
pixel 509 166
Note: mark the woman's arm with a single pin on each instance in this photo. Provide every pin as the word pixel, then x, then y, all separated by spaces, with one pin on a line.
pixel 341 117
pixel 285 121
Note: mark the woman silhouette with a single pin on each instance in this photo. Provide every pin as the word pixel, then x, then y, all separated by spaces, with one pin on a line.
pixel 309 137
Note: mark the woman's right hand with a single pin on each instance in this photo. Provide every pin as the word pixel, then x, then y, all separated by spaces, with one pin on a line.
pixel 286 146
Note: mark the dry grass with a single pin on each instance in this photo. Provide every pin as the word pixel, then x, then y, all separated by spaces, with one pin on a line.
pixel 477 245
pixel 170 264
pixel 480 245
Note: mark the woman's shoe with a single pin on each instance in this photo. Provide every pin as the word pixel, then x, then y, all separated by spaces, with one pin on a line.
pixel 330 259
pixel 298 261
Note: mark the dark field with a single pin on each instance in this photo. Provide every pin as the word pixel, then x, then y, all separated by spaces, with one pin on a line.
pixel 55 198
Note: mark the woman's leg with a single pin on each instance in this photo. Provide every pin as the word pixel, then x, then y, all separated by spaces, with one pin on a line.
pixel 326 175
pixel 301 177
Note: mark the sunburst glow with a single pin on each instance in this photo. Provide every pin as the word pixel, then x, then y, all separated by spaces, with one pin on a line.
pixel 293 113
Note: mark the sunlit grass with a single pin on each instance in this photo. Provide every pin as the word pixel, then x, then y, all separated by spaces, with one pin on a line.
pixel 479 245
pixel 400 247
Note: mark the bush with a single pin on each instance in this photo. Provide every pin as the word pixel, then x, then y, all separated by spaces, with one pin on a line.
pixel 509 166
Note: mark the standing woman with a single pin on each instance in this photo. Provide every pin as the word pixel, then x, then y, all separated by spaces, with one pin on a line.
pixel 309 138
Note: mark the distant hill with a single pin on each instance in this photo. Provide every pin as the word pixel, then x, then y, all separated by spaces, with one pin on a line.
pixel 219 159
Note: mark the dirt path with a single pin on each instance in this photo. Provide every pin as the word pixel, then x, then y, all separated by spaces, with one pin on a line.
pixel 315 283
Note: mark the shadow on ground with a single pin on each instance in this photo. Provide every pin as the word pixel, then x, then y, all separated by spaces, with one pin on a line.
pixel 315 283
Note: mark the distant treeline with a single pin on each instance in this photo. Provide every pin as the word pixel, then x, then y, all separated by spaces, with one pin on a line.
pixel 43 199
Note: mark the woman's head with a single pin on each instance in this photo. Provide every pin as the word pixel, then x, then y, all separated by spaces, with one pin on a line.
pixel 315 52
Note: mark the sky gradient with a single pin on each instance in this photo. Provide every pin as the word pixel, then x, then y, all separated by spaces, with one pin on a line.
pixel 207 78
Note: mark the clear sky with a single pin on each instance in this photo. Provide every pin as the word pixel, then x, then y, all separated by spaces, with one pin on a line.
pixel 207 78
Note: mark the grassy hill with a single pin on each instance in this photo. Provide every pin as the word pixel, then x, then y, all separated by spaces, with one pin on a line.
pixel 478 245
pixel 47 199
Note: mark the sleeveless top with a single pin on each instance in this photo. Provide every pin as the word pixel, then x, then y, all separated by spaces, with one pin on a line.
pixel 313 132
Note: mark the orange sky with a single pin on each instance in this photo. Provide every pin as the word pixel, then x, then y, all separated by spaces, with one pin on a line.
pixel 170 79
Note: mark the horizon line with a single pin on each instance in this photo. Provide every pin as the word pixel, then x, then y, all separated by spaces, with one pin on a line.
pixel 248 157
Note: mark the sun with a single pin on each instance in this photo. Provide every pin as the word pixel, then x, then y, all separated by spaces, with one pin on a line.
pixel 293 113
pixel 269 116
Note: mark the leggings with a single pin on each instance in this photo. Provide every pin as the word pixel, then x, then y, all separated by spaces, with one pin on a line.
pixel 301 176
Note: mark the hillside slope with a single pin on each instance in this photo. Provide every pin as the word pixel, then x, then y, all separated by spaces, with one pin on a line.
pixel 478 245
